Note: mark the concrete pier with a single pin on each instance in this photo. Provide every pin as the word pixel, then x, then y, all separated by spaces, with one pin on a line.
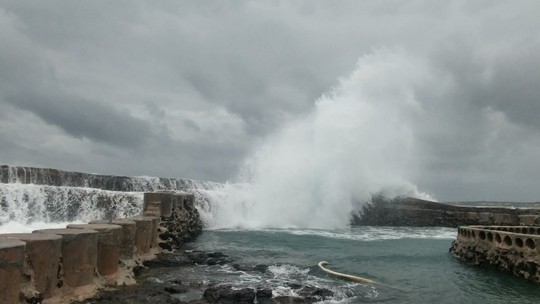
pixel 42 258
pixel 79 255
pixel 11 268
pixel 127 242
pixel 108 246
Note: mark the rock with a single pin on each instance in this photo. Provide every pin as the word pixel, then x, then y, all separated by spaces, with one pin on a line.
pixel 290 300
pixel 168 260
pixel 312 292
pixel 175 289
pixel 207 258
pixel 227 294
pixel 247 267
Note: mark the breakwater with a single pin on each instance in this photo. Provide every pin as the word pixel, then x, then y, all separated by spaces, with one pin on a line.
pixel 37 197
pixel 514 249
pixel 65 264
pixel 414 212
pixel 54 177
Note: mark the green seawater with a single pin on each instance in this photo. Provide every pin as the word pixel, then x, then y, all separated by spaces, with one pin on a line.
pixel 413 264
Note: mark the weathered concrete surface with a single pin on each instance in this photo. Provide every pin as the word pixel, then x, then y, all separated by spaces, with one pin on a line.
pixel 108 247
pixel 127 243
pixel 422 213
pixel 143 236
pixel 11 268
pixel 42 258
pixel 515 249
pixel 152 204
pixel 79 255
pixel 155 231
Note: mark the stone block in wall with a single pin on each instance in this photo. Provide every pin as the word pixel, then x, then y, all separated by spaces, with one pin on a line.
pixel 79 255
pixel 42 259
pixel 511 220
pixel 498 218
pixel 108 248
pixel 127 243
pixel 11 268
pixel 485 218
pixel 528 220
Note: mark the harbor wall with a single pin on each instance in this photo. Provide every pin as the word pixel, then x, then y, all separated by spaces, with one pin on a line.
pixel 514 249
pixel 414 212
pixel 72 263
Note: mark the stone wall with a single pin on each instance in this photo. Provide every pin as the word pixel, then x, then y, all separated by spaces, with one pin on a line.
pixel 422 213
pixel 515 249
pixel 72 263
pixel 55 177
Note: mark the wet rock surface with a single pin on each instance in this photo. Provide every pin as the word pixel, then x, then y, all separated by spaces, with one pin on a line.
pixel 182 226
pixel 182 291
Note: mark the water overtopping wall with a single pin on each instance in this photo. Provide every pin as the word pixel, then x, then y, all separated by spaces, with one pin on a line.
pixel 72 263
pixel 54 177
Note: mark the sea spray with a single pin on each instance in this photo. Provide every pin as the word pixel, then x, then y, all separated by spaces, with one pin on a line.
pixel 29 206
pixel 358 140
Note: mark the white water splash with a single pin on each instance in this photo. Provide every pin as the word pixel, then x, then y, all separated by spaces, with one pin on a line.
pixel 26 207
pixel 357 141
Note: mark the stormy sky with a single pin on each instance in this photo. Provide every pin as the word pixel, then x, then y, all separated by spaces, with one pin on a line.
pixel 191 88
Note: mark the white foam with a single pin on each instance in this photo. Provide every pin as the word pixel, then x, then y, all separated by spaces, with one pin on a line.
pixel 357 141
pixel 27 207
pixel 17 227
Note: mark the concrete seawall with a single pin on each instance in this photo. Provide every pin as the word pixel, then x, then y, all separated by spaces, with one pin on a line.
pixel 515 249
pixel 71 264
pixel 421 213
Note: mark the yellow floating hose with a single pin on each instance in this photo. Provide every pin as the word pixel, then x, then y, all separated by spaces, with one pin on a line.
pixel 345 276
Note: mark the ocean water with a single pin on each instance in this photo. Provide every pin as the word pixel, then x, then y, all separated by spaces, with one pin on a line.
pixel 413 264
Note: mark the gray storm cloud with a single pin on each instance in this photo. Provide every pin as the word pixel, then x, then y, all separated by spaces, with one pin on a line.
pixel 192 89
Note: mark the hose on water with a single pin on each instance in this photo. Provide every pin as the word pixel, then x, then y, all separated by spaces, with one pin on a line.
pixel 345 276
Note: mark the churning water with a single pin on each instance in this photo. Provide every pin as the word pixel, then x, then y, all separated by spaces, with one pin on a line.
pixel 413 262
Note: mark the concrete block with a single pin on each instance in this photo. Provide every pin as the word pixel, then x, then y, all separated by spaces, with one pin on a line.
pixel 511 220
pixel 127 243
pixel 498 218
pixel 42 258
pixel 143 234
pixel 527 220
pixel 79 255
pixel 11 268
pixel 484 217
pixel 152 204
pixel 108 252
pixel 166 205
pixel 155 232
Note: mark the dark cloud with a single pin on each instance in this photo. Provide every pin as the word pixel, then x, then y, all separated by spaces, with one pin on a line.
pixel 84 118
pixel 189 88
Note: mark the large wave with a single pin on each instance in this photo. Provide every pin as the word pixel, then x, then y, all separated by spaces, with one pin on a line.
pixel 358 140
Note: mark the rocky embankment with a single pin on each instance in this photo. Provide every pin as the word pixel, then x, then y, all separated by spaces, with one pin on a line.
pixel 421 213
